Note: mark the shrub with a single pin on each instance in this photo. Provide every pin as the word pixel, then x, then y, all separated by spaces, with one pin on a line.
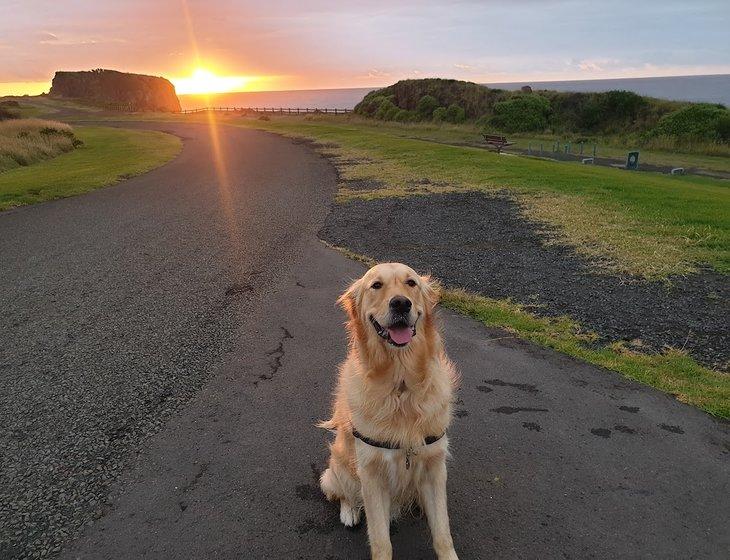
pixel 405 116
pixel 455 114
pixel 439 114
pixel 700 120
pixel 426 106
pixel 370 104
pixel 723 127
pixel 524 113
pixel 387 110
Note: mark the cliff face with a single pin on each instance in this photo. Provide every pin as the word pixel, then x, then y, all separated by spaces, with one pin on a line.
pixel 118 90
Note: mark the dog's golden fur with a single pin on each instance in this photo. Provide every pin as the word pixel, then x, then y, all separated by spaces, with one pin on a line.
pixel 399 395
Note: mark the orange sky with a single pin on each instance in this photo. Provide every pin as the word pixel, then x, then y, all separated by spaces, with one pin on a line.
pixel 288 44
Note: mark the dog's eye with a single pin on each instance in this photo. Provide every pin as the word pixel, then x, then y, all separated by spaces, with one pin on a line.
pixel 411 282
pixel 377 285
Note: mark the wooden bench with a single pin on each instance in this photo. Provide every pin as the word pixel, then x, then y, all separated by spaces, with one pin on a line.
pixel 498 142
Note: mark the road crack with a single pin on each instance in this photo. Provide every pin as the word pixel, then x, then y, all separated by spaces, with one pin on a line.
pixel 275 356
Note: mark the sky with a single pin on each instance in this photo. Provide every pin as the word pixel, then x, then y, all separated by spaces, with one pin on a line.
pixel 289 44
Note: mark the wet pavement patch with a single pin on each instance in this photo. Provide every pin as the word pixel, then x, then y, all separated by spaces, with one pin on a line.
pixel 631 409
pixel 601 432
pixel 624 429
pixel 519 386
pixel 515 409
pixel 481 242
pixel 672 429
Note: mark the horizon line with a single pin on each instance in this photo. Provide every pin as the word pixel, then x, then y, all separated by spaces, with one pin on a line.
pixel 494 83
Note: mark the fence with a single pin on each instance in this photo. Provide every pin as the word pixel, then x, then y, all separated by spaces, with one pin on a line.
pixel 271 110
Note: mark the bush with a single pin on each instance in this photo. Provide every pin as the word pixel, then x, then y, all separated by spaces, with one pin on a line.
pixel 405 116
pixel 455 114
pixel 525 113
pixel 723 127
pixel 387 110
pixel 370 104
pixel 701 121
pixel 439 114
pixel 426 106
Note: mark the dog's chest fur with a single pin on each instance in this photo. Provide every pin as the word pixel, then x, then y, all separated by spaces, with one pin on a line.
pixel 401 405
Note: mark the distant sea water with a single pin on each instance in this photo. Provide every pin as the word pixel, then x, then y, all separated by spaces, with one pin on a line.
pixel 711 89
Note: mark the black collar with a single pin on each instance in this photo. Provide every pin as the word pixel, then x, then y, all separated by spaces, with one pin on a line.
pixel 387 445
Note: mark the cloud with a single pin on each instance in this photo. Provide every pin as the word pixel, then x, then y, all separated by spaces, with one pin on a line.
pixel 68 41
pixel 375 73
pixel 463 66
pixel 46 37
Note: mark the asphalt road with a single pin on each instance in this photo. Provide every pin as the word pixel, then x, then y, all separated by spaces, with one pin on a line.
pixel 170 342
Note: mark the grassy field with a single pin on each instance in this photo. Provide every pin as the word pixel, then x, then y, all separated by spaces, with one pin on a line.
pixel 617 147
pixel 646 224
pixel 108 155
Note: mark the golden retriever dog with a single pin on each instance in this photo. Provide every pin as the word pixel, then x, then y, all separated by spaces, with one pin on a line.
pixel 392 408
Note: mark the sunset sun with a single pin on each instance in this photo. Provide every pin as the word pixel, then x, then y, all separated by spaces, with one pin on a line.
pixel 204 81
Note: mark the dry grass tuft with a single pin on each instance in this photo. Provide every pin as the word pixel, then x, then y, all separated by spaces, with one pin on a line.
pixel 27 141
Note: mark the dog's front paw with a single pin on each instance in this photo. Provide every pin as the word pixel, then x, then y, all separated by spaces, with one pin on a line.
pixel 350 516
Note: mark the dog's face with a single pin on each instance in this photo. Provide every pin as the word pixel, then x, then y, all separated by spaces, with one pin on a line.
pixel 389 301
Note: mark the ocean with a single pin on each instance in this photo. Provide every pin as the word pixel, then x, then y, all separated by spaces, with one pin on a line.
pixel 712 89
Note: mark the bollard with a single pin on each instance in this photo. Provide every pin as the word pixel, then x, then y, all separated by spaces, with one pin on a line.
pixel 540 149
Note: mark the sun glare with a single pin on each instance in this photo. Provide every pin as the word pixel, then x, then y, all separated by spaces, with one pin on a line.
pixel 204 81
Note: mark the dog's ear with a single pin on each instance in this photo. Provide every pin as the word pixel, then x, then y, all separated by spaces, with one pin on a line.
pixel 431 289
pixel 350 299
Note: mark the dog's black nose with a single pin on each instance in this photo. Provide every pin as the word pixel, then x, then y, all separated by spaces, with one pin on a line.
pixel 400 304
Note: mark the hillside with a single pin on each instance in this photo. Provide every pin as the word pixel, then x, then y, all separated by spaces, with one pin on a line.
pixel 117 90
pixel 612 112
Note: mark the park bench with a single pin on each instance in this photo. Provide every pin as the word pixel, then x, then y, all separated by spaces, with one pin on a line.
pixel 498 142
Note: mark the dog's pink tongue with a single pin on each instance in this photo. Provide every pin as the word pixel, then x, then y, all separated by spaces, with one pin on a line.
pixel 400 335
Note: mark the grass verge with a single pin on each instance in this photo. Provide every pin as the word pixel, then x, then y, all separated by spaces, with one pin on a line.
pixel 107 156
pixel 671 371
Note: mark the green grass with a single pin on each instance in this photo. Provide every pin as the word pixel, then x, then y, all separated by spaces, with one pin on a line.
pixel 672 371
pixel 107 156
pixel 647 224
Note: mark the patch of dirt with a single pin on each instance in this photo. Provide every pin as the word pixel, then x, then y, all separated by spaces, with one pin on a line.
pixel 363 184
pixel 482 243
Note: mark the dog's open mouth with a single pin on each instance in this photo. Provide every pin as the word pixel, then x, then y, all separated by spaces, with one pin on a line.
pixel 398 334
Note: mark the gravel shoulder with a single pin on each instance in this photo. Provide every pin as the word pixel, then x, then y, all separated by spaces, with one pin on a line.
pixel 481 243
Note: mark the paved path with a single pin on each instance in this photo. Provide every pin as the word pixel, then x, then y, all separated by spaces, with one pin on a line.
pixel 167 289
